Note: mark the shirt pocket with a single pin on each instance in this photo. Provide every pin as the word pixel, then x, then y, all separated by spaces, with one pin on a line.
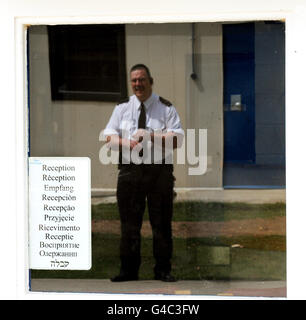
pixel 156 124
pixel 127 126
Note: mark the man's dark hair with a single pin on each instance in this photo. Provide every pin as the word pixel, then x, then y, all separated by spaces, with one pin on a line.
pixel 142 66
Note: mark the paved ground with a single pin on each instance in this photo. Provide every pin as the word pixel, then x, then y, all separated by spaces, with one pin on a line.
pixel 271 289
pixel 196 288
pixel 185 229
pixel 275 289
pixel 254 196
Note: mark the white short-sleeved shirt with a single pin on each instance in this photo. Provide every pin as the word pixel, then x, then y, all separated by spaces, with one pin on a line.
pixel 161 116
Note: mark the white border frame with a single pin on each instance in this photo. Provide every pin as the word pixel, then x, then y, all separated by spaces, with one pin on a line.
pixel 295 68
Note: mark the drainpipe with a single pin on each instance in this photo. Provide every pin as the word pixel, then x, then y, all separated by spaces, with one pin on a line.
pixel 193 75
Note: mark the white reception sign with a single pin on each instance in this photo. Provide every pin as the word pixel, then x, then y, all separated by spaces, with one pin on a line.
pixel 60 213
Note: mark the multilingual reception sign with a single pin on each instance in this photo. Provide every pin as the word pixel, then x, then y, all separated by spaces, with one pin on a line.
pixel 60 213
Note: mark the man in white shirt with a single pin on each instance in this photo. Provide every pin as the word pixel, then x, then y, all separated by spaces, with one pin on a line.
pixel 144 128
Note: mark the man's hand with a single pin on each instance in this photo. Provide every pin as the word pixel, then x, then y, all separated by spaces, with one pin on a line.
pixel 166 140
pixel 132 143
pixel 116 143
pixel 140 134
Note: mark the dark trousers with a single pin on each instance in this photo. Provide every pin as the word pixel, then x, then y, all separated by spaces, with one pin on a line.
pixel 138 184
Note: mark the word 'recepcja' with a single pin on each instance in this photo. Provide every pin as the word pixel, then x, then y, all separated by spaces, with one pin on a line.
pixel 147 152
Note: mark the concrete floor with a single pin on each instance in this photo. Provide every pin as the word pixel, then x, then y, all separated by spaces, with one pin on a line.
pixel 269 289
pixel 195 288
pixel 252 196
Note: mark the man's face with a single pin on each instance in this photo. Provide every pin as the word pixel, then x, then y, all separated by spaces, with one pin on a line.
pixel 141 84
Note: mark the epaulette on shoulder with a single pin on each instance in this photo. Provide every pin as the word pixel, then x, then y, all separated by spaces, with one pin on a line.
pixel 164 101
pixel 125 100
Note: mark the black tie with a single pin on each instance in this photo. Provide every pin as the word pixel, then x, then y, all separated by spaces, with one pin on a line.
pixel 142 118
pixel 142 123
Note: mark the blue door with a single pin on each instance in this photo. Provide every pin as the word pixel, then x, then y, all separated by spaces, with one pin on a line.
pixel 239 93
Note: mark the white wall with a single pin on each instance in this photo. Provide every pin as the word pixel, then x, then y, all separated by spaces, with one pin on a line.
pixel 64 128
pixel 71 128
pixel 14 14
